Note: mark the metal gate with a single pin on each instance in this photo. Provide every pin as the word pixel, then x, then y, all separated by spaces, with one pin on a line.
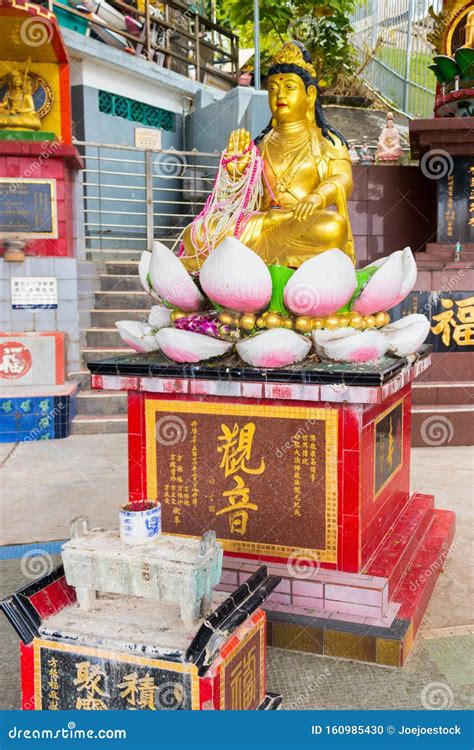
pixel 131 196
pixel 390 38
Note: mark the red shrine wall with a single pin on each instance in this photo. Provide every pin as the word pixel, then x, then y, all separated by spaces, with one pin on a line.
pixel 53 162
pixel 390 208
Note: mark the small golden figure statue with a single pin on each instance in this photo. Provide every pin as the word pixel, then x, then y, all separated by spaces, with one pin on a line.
pixel 389 148
pixel 17 109
pixel 469 32
pixel 306 172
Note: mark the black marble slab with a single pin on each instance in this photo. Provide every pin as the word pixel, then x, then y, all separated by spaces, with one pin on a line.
pixel 231 368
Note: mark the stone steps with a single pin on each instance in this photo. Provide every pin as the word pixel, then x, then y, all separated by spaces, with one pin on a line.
pixel 101 403
pixel 122 267
pixel 108 317
pixel 122 283
pixel 88 424
pixel 120 297
pixel 122 300
pixel 99 337
pixel 444 394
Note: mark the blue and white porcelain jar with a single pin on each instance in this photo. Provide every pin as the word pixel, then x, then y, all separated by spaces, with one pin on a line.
pixel 140 523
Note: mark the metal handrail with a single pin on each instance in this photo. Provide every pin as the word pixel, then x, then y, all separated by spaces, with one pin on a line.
pixel 155 205
pixel 188 24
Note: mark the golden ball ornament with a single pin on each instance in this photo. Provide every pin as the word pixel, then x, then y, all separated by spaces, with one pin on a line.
pixel 287 323
pixel 177 315
pixel 317 323
pixel 260 323
pixel 273 320
pixel 247 322
pixel 369 321
pixel 226 318
pixel 380 319
pixel 356 320
pixel 343 321
pixel 331 322
pixel 303 324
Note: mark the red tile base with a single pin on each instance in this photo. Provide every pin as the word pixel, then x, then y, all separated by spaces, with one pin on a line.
pixel 331 613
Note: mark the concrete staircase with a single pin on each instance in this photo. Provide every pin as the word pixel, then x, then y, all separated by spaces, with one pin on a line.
pixel 120 297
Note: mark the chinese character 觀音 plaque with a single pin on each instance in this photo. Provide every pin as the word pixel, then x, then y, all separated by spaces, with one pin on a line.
pixel 264 478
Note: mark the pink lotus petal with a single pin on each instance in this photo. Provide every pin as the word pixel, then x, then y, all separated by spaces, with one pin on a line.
pixel 172 282
pixel 364 346
pixel 187 346
pixel 393 280
pixel 276 347
pixel 236 277
pixel 321 285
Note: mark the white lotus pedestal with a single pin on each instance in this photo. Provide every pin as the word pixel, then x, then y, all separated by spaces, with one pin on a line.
pixel 305 468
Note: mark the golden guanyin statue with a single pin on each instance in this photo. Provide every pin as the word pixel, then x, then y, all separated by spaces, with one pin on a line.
pixel 296 206
pixel 17 108
pixel 266 270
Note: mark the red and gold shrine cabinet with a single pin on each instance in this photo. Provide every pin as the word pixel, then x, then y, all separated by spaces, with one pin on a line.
pixel 276 469
pixel 76 660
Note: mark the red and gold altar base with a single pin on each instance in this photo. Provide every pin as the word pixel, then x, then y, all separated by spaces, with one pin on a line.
pixel 311 477
pixel 86 661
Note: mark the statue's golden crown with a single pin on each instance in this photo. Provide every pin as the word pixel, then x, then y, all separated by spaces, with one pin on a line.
pixel 291 54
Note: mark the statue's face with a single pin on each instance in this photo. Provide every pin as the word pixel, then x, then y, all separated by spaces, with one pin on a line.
pixel 289 101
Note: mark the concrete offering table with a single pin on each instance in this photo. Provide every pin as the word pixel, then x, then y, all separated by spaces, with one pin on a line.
pixel 170 569
pixel 306 468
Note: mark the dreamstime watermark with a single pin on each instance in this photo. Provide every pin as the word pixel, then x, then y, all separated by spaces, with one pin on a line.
pixel 36 563
pixel 435 567
pixel 66 733
pixel 170 430
pixel 303 28
pixel 437 430
pixel 35 166
pixel 170 696
pixel 300 432
pixel 46 418
pixel 303 564
pixel 437 696
pixel 301 700
pixel 163 33
pixel 436 164
pixel 170 164
pixel 433 297
pixel 35 32
pixel 303 298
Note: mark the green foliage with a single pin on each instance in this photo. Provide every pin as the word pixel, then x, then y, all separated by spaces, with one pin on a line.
pixel 321 25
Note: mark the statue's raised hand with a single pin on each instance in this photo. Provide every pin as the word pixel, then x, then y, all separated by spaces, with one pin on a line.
pixel 237 152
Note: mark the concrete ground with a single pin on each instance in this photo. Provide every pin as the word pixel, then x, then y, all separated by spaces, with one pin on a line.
pixel 46 484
